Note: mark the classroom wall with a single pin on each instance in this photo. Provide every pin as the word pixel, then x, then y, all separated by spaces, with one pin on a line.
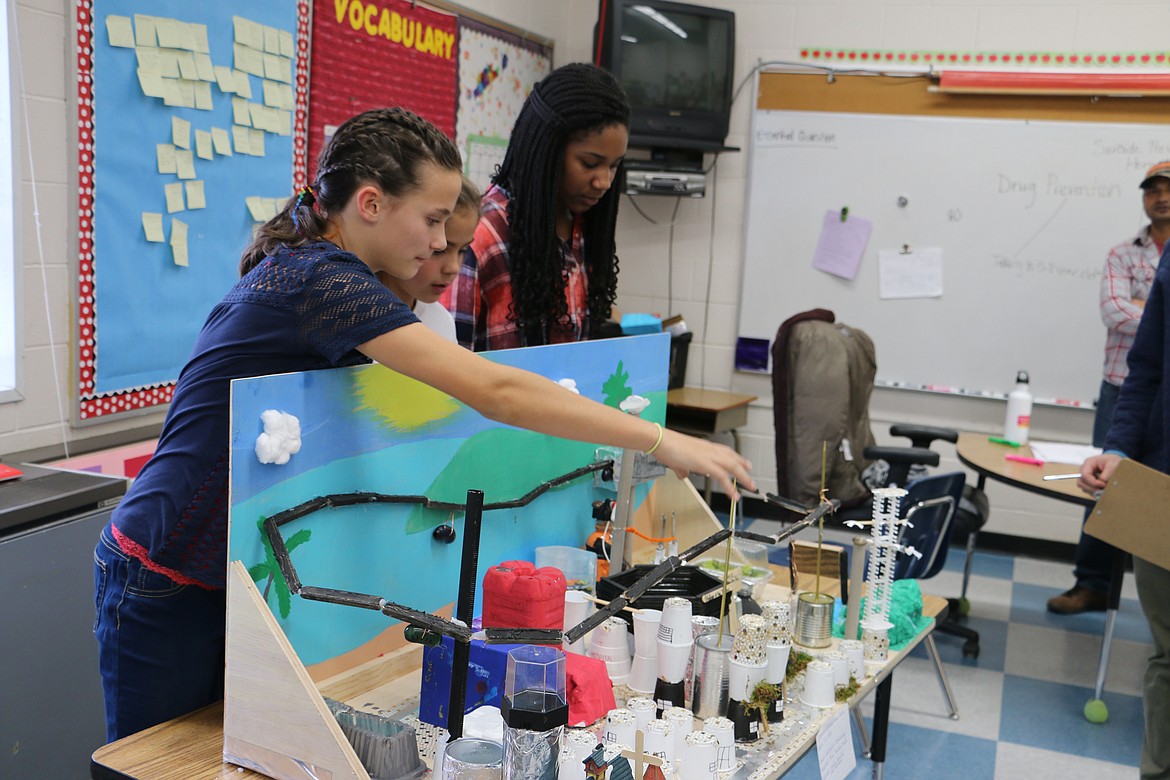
pixel 701 267
pixel 705 274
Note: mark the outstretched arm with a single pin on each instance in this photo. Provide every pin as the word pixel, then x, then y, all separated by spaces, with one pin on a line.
pixel 526 400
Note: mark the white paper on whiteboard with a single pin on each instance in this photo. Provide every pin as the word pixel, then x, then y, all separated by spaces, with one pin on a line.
pixel 835 746
pixel 841 244
pixel 916 274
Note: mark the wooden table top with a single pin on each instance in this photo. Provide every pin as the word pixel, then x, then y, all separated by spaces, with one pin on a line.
pixel 706 400
pixel 987 458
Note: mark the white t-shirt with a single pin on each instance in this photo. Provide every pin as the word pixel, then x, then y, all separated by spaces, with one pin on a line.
pixel 437 318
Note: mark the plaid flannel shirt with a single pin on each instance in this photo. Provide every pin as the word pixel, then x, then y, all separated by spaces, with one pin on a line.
pixel 480 299
pixel 1129 274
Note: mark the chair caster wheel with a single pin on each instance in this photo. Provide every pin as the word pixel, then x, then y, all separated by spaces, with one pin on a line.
pixel 970 649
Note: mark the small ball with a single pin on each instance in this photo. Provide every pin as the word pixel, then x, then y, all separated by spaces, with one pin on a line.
pixel 1096 711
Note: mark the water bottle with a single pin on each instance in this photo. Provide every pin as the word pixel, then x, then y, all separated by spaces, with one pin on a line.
pixel 1019 411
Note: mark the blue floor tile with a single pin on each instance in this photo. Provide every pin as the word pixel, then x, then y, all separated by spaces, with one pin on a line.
pixel 1049 716
pixel 983 564
pixel 992 645
pixel 916 754
pixel 1029 607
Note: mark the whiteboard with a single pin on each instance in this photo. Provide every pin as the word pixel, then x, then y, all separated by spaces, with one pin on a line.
pixel 1022 212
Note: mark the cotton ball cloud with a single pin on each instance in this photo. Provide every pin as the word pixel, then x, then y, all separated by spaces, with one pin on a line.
pixel 281 438
pixel 569 384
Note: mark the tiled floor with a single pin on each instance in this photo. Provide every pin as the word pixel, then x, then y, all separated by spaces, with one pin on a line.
pixel 1021 702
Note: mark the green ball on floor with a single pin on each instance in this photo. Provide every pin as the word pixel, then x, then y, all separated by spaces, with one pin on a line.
pixel 1096 711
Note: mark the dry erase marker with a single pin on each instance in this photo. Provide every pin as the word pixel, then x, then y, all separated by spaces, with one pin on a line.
pixel 1023 459
pixel 1001 440
pixel 1051 477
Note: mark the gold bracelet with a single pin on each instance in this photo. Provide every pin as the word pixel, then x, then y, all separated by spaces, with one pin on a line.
pixel 657 441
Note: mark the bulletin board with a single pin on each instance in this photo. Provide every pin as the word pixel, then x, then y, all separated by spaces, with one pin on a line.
pixel 187 118
pixel 1022 197
pixel 196 123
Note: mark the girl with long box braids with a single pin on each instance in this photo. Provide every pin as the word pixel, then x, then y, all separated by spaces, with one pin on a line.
pixel 542 268
pixel 309 298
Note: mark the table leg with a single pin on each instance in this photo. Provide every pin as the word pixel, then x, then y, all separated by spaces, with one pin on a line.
pixel 881 725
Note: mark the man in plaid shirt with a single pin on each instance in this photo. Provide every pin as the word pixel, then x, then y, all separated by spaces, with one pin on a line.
pixel 1129 273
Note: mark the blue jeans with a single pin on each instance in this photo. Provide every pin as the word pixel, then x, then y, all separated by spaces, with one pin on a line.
pixel 1094 558
pixel 160 645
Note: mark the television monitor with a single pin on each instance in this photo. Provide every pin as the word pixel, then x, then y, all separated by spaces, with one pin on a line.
pixel 676 64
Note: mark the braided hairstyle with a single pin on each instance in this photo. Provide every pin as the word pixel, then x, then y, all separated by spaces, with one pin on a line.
pixel 386 146
pixel 569 104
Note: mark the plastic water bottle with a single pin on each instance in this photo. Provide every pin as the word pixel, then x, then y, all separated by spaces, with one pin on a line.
pixel 1019 411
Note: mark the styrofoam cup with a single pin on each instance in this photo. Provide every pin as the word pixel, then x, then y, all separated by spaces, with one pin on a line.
pixel 612 634
pixel 840 663
pixel 743 679
pixel 777 662
pixel 620 725
pixel 684 723
pixel 672 660
pixel 644 709
pixel 619 671
pixel 819 690
pixel 659 739
pixel 724 731
pixel 646 623
pixel 643 674
pixel 854 650
pixel 577 609
pixel 675 624
pixel 701 757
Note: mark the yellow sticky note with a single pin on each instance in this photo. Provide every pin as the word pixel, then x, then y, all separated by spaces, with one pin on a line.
pixel 199 32
pixel 179 242
pixel 256 208
pixel 186 63
pixel 225 77
pixel 168 33
pixel 283 123
pixel 204 66
pixel 151 83
pixel 185 164
pixel 286 44
pixel 153 227
pixel 120 31
pixel 144 31
pixel 195 197
pixel 276 68
pixel 174 193
pixel 241 140
pixel 243 84
pixel 180 132
pixel 203 96
pixel 166 158
pixel 257 142
pixel 272 40
pixel 221 141
pixel 170 92
pixel 241 115
pixel 259 115
pixel 148 59
pixel 272 93
pixel 187 37
pixel 168 63
pixel 186 92
pixel 203 145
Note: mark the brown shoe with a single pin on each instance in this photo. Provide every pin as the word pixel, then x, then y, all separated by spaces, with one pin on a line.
pixel 1077 600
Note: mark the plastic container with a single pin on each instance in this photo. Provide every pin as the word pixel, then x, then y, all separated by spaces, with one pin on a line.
pixel 1018 420
pixel 578 565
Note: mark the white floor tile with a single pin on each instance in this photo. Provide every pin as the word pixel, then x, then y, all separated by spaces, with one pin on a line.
pixel 1069 657
pixel 1016 762
pixel 1058 576
pixel 990 597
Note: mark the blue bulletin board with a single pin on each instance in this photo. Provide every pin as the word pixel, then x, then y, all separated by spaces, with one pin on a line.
pixel 191 131
pixel 368 429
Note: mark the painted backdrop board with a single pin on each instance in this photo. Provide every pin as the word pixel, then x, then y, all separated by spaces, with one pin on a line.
pixel 369 429
pixel 186 117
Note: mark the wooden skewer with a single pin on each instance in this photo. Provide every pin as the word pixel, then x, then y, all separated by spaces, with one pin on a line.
pixel 604 603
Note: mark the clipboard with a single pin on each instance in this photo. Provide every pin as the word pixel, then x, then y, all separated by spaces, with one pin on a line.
pixel 1132 513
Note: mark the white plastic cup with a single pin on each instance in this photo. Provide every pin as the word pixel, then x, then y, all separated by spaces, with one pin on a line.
pixel 646 623
pixel 701 757
pixel 854 650
pixel 659 739
pixel 743 679
pixel 840 663
pixel 612 634
pixel 644 709
pixel 684 723
pixel 672 660
pixel 724 732
pixel 674 626
pixel 777 662
pixel 620 725
pixel 619 671
pixel 819 690
pixel 643 674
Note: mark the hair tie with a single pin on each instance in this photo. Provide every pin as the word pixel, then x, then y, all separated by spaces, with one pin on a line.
pixel 306 190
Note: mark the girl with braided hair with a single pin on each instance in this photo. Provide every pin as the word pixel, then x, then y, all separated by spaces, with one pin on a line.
pixel 542 267
pixel 310 297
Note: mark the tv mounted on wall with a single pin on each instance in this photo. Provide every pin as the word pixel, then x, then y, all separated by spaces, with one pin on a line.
pixel 676 63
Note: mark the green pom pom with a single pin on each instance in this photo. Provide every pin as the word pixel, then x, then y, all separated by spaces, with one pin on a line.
pixel 1096 711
